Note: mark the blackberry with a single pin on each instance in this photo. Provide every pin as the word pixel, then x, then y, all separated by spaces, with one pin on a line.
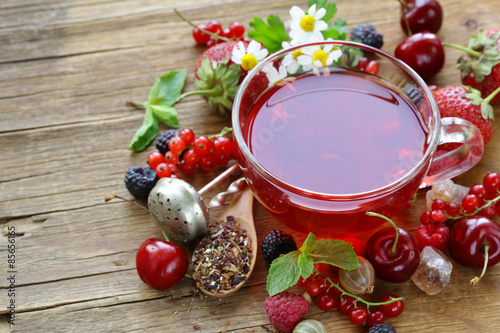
pixel 277 243
pixel 414 94
pixel 140 181
pixel 382 328
pixel 163 139
pixel 366 34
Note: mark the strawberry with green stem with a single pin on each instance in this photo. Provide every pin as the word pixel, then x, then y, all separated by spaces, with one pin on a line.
pixel 480 65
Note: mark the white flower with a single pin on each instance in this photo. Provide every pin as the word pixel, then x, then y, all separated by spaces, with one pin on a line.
pixel 307 27
pixel 275 75
pixel 290 60
pixel 318 57
pixel 250 57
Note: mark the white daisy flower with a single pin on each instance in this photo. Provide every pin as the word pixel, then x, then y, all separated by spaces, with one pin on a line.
pixel 248 58
pixel 290 60
pixel 307 27
pixel 315 57
pixel 275 75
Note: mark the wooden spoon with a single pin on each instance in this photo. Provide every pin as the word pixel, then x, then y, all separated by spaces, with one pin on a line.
pixel 241 209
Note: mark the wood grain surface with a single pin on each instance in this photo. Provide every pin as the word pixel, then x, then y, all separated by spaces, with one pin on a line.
pixel 66 70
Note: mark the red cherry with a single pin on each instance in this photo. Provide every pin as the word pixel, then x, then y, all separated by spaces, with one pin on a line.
pixel 237 29
pixel 358 315
pixel 391 310
pixel 422 15
pixel 423 52
pixel 161 264
pixel 155 158
pixel 200 37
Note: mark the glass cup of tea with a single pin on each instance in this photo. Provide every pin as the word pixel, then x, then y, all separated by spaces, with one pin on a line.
pixel 321 141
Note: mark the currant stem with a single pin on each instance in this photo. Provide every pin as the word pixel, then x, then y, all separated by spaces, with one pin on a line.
pixel 216 36
pixel 139 106
pixel 465 49
pixel 223 132
pixel 393 250
pixel 475 280
pixel 217 90
pixel 478 209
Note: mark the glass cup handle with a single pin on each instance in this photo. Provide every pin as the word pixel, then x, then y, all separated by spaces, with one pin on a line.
pixel 458 160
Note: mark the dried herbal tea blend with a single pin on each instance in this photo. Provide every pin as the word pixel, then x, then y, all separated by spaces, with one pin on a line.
pixel 222 258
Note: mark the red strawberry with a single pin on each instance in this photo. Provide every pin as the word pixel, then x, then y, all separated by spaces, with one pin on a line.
pixel 466 103
pixel 480 66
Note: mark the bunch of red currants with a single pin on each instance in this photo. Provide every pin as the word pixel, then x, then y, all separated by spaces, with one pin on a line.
pixel 235 31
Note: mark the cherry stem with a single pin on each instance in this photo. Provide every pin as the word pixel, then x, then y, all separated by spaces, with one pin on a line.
pixel 109 197
pixel 356 298
pixel 216 36
pixel 475 280
pixel 404 4
pixel 217 90
pixel 139 106
pixel 465 49
pixel 478 209
pixel 407 23
pixel 393 250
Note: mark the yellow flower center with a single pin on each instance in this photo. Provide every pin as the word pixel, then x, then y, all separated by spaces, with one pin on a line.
pixel 297 53
pixel 307 23
pixel 320 55
pixel 248 62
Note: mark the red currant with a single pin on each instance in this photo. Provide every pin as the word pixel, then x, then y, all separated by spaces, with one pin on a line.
pixel 187 168
pixel 489 212
pixel 452 209
pixel 200 37
pixel 425 218
pixel 222 146
pixel 207 162
pixel 497 208
pixel 222 160
pixel 491 182
pixel 173 169
pixel 202 145
pixel 211 42
pixel 237 29
pixel 391 310
pixel 303 282
pixel 326 301
pixel 163 171
pixel 313 288
pixel 171 157
pixel 226 32
pixel 187 135
pixel 345 304
pixel 375 317
pixel 438 216
pixel 176 145
pixel 358 315
pixel 479 191
pixel 190 156
pixel 490 195
pixel 214 26
pixel 155 158
pixel 438 205
pixel 469 203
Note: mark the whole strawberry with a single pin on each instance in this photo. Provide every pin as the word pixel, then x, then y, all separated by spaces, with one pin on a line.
pixel 480 65
pixel 285 309
pixel 467 103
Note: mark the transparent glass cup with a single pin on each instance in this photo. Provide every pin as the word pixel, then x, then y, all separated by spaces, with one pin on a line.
pixel 344 215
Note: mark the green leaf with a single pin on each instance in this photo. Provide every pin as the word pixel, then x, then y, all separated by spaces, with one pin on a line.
pixel 166 114
pixel 337 30
pixel 283 273
pixel 335 252
pixel 271 35
pixel 167 88
pixel 309 243
pixel 331 8
pixel 306 264
pixel 146 133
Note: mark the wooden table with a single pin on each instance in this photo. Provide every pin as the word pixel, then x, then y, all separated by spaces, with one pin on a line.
pixel 66 70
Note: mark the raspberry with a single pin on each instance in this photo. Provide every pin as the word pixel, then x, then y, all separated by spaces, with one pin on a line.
pixel 285 309
pixel 382 328
pixel 433 234
pixel 163 139
pixel 366 34
pixel 277 243
pixel 140 181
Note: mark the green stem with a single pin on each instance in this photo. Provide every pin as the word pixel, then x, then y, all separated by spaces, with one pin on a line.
pixel 491 96
pixel 136 105
pixel 404 4
pixel 217 90
pixel 477 210
pixel 475 280
pixel 465 49
pixel 392 223
pixel 225 130
pixel 407 23
pixel 216 36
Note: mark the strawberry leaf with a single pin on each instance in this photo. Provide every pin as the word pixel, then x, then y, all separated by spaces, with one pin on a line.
pixel 147 132
pixel 283 273
pixel 331 8
pixel 271 35
pixel 335 252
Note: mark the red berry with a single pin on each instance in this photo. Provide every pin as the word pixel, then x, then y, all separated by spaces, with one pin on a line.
pixel 237 29
pixel 433 234
pixel 187 135
pixel 438 205
pixel 155 158
pixel 222 160
pixel 345 304
pixel 469 203
pixel 358 315
pixel 490 195
pixel 491 182
pixel 226 32
pixel 375 317
pixel 211 42
pixel 372 67
pixel 326 301
pixel 479 191
pixel 452 209
pixel 438 216
pixel 171 157
pixel 497 207
pixel 176 145
pixel 425 218
pixel 489 212
pixel 173 169
pixel 303 282
pixel 187 168
pixel 190 156
pixel 207 162
pixel 313 288
pixel 163 171
pixel 222 146
pixel 200 37
pixel 391 310
pixel 214 26
pixel 202 145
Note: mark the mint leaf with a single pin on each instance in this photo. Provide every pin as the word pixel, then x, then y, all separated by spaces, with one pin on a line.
pixel 146 133
pixel 309 243
pixel 306 264
pixel 166 114
pixel 271 35
pixel 283 273
pixel 335 252
pixel 331 8
pixel 336 30
pixel 167 88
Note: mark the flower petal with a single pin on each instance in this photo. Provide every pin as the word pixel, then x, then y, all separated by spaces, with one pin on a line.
pixel 296 13
pixel 320 25
pixel 319 14
pixel 253 47
pixel 312 10
pixel 261 54
pixel 304 60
